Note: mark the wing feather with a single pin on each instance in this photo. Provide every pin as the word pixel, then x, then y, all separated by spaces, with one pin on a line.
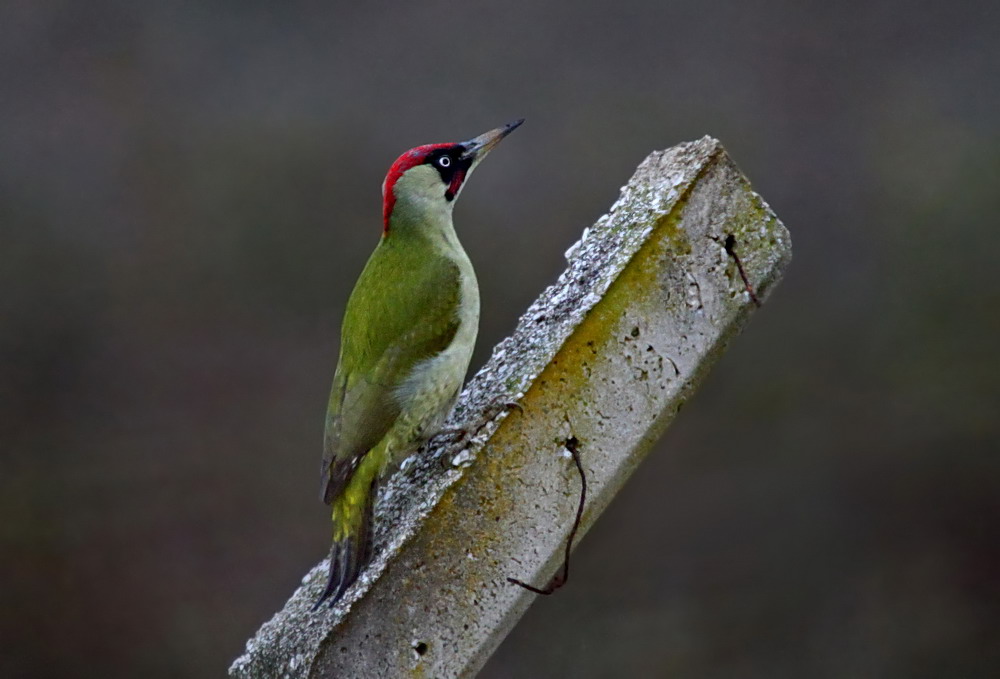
pixel 402 311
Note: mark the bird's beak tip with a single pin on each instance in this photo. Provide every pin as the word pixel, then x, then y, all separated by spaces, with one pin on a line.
pixel 484 143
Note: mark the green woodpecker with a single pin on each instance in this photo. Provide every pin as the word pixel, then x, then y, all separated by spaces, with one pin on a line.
pixel 406 341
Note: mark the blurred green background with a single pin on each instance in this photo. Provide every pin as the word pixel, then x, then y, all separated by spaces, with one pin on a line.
pixel 188 190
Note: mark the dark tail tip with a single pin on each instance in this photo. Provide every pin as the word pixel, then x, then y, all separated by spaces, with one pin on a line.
pixel 348 557
pixel 341 576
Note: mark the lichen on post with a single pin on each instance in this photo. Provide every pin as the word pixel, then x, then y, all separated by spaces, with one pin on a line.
pixel 605 357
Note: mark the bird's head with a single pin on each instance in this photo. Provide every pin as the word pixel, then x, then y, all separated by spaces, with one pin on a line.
pixel 430 177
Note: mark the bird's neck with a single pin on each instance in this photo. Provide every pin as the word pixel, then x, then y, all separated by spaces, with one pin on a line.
pixel 425 223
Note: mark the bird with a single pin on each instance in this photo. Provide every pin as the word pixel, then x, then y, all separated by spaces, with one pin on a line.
pixel 407 337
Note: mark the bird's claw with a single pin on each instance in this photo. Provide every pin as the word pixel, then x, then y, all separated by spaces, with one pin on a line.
pixel 454 435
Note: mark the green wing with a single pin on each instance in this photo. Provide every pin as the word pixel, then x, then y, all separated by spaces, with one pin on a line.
pixel 404 309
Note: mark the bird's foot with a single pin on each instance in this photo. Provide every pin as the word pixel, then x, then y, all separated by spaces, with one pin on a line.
pixel 500 406
pixel 448 436
pixel 454 435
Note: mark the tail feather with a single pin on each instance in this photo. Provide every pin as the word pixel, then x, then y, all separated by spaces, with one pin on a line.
pixel 352 553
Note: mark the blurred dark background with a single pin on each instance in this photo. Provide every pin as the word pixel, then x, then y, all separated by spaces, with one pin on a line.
pixel 188 190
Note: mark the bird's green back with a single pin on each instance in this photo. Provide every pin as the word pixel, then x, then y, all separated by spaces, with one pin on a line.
pixel 404 309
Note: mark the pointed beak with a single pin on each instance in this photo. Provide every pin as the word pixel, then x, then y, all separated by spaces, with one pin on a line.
pixel 477 148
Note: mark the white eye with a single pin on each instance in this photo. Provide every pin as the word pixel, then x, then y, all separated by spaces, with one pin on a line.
pixel 444 161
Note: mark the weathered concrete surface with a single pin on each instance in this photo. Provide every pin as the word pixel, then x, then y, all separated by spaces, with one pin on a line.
pixel 608 354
